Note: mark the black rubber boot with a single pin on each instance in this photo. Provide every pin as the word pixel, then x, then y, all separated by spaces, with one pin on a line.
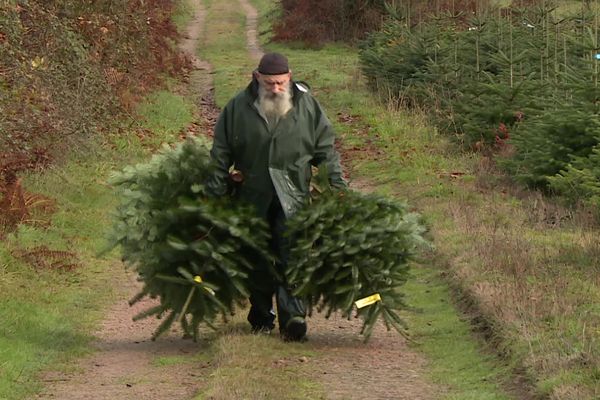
pixel 295 330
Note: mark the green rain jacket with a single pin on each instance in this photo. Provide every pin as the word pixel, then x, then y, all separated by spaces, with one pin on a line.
pixel 273 159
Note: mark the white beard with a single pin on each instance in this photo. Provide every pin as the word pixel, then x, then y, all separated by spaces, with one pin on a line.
pixel 274 106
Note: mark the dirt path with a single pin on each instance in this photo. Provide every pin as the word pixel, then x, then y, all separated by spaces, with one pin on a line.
pixel 252 30
pixel 199 81
pixel 385 367
pixel 127 364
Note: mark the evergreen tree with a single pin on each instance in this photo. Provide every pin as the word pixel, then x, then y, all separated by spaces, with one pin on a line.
pixel 580 180
pixel 349 246
pixel 549 142
pixel 192 252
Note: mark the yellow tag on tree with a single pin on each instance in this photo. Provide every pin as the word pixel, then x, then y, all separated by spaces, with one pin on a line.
pixel 198 279
pixel 367 301
pixel 209 290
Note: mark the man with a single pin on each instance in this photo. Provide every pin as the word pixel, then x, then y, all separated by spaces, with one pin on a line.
pixel 270 134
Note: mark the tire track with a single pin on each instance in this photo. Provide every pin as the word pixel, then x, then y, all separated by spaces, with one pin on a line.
pixel 126 363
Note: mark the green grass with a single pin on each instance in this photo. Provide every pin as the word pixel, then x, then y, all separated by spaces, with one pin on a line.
pixel 184 11
pixel 456 359
pixel 165 114
pixel 172 360
pixel 30 338
pixel 47 315
pixel 258 367
pixel 224 46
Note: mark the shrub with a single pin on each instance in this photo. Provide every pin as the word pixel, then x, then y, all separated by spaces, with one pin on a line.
pixel 403 64
pixel 549 142
pixel 317 21
pixel 68 67
pixel 580 179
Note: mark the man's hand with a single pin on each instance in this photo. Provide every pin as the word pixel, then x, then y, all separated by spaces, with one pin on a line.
pixel 236 176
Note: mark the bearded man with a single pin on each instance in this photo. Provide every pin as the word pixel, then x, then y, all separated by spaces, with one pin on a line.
pixel 271 134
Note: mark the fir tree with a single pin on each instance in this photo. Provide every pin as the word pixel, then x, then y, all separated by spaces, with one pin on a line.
pixel 193 252
pixel 349 246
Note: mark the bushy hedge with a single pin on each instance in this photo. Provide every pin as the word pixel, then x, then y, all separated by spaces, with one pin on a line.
pixel 524 78
pixel 314 22
pixel 67 68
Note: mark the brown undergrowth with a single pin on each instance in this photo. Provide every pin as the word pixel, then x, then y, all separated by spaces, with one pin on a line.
pixel 362 149
pixel 42 258
pixel 16 204
pixel 318 21
pixel 70 72
pixel 529 268
pixel 315 22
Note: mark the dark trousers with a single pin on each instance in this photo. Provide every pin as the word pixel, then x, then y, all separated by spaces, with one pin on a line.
pixel 261 313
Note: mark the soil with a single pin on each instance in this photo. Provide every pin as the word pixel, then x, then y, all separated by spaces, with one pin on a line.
pixel 125 367
pixel 199 80
pixel 383 368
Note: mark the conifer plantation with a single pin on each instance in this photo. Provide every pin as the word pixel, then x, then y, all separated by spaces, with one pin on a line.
pixel 520 81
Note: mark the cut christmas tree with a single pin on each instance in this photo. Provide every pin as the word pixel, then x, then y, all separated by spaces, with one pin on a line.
pixel 353 250
pixel 192 252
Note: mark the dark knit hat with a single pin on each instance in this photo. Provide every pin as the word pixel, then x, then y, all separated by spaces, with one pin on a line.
pixel 273 64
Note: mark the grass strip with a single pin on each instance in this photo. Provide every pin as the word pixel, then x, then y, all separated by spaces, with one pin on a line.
pixel 53 288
